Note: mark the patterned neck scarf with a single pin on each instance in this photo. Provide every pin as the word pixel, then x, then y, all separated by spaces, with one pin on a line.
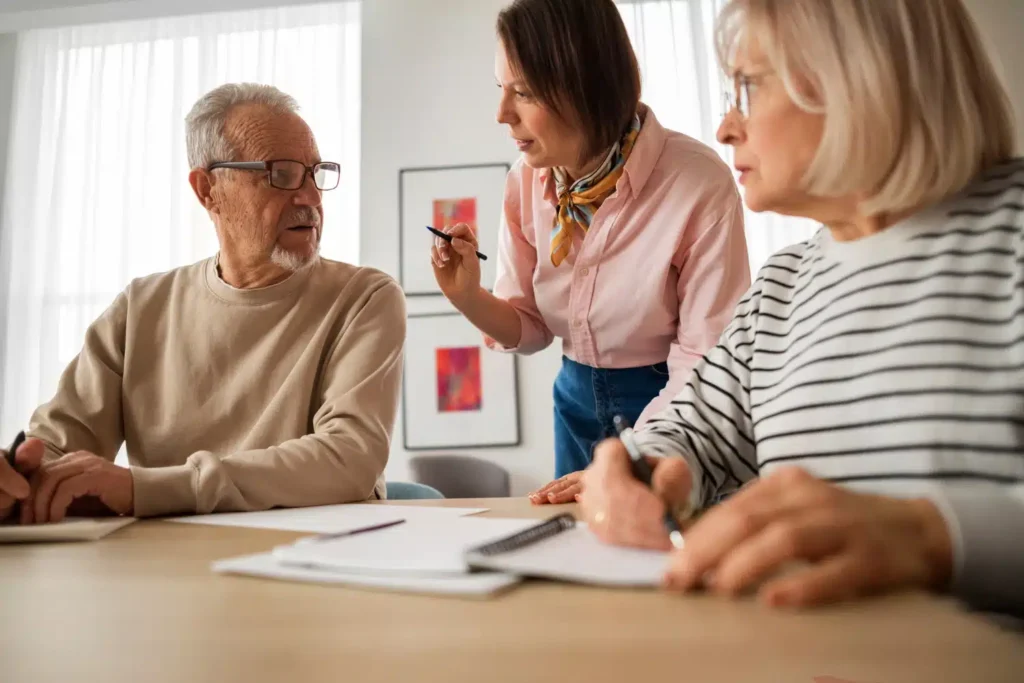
pixel 577 203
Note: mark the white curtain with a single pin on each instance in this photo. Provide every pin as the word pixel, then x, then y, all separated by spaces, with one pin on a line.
pixel 683 84
pixel 97 191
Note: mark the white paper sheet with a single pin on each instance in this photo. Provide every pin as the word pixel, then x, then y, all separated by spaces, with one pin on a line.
pixel 576 555
pixel 265 566
pixel 71 529
pixel 328 519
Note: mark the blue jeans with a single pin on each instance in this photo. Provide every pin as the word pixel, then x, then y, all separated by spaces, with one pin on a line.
pixel 586 401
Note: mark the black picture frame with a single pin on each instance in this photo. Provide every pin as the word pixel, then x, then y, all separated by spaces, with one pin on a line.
pixel 478 445
pixel 422 246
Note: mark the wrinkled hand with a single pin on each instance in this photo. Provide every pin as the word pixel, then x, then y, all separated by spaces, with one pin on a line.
pixel 621 510
pixel 565 489
pixel 456 266
pixel 14 482
pixel 75 479
pixel 856 544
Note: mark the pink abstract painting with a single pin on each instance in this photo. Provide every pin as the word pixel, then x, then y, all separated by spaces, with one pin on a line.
pixel 459 387
pixel 452 211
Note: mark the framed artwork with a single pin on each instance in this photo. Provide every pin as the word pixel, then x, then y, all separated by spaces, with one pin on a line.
pixel 442 196
pixel 456 393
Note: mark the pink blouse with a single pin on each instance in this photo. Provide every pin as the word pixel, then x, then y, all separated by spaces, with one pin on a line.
pixel 657 275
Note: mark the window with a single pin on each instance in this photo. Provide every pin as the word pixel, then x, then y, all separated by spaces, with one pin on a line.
pixel 683 85
pixel 97 184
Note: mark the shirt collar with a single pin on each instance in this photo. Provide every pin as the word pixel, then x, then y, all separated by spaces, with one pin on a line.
pixel 639 165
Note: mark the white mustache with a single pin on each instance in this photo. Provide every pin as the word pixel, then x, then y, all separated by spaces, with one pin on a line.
pixel 305 217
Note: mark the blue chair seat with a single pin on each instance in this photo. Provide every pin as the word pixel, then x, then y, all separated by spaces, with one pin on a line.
pixel 407 490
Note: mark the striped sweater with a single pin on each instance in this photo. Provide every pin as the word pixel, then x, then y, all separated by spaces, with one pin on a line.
pixel 893 364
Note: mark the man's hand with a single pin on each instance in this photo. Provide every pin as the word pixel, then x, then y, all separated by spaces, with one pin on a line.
pixel 621 510
pixel 14 484
pixel 856 544
pixel 77 477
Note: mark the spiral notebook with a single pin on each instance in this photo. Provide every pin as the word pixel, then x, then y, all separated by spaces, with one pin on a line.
pixel 417 547
pixel 563 549
pixel 558 548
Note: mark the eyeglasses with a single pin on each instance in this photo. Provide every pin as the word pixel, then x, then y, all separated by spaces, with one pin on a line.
pixel 286 174
pixel 743 89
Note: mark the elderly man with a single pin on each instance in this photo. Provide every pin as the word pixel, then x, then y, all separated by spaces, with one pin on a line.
pixel 264 376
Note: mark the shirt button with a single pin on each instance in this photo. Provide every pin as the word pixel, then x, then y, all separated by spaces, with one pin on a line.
pixel 584 272
pixel 577 323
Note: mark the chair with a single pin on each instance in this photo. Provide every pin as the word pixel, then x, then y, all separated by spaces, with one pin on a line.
pixel 461 476
pixel 407 490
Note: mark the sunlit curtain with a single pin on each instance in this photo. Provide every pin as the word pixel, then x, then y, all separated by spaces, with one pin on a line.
pixel 683 84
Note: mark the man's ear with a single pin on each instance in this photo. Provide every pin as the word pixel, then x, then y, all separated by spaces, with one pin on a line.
pixel 202 183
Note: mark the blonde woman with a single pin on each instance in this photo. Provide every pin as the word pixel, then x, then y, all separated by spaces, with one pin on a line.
pixel 865 405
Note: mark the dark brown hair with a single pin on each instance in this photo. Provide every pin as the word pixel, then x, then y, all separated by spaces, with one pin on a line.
pixel 576 58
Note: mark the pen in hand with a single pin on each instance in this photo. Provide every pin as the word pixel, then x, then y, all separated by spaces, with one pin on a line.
pixel 642 471
pixel 11 451
pixel 18 440
pixel 448 238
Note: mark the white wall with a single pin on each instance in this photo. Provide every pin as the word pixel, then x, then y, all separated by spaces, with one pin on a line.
pixel 1001 23
pixel 429 99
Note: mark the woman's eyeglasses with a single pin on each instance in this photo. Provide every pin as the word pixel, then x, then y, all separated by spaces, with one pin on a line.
pixel 738 97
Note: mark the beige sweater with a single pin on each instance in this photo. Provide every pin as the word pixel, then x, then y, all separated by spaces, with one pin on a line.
pixel 234 399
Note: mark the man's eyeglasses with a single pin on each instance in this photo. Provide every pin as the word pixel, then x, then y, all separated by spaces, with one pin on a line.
pixel 286 174
pixel 738 97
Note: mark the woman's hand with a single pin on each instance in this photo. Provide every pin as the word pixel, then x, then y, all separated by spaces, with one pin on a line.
pixel 565 489
pixel 620 509
pixel 456 266
pixel 856 544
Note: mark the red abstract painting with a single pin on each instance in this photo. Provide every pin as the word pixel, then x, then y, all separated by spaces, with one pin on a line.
pixel 459 388
pixel 452 211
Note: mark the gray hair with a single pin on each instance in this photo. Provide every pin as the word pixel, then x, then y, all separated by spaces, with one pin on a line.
pixel 204 125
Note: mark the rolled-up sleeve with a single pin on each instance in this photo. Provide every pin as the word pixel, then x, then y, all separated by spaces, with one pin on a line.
pixel 517 263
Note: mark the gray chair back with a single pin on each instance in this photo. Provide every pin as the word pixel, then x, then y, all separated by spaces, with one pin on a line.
pixel 461 476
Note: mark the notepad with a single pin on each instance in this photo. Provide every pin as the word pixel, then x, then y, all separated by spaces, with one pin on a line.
pixel 70 529
pixel 265 565
pixel 418 547
pixel 325 519
pixel 563 549
pixel 559 549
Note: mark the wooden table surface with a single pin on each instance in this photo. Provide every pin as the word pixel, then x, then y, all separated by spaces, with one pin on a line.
pixel 142 606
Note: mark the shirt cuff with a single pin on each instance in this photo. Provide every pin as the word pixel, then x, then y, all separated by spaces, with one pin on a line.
pixel 656 445
pixel 531 339
pixel 987 562
pixel 164 490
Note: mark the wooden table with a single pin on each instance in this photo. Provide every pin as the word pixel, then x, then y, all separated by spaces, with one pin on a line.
pixel 142 606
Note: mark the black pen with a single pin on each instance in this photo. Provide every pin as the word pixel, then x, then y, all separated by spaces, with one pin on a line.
pixel 350 532
pixel 11 452
pixel 448 239
pixel 642 471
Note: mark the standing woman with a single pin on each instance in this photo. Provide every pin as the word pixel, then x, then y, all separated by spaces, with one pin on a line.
pixel 619 236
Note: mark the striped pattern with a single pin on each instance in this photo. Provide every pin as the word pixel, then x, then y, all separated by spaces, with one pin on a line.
pixel 892 364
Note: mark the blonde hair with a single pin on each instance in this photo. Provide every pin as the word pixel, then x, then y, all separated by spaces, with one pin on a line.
pixel 913 106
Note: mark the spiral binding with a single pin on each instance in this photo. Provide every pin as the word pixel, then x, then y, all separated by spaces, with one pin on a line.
pixel 547 529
